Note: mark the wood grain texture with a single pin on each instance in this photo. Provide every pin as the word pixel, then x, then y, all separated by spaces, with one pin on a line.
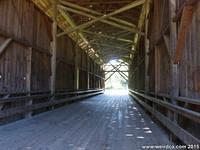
pixel 101 122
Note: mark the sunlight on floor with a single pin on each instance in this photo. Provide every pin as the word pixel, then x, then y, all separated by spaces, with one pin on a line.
pixel 116 92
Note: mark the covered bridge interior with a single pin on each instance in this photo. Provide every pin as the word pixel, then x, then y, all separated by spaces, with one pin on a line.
pixel 53 55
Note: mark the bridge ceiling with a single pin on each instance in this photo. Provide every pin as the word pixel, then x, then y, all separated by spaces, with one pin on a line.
pixel 104 29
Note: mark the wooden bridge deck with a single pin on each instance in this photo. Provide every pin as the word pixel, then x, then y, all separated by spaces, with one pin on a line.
pixel 104 122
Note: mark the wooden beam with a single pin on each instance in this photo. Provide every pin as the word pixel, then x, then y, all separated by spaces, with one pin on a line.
pixel 141 23
pixel 127 28
pixel 78 35
pixel 174 74
pixel 120 21
pixel 48 27
pixel 157 57
pixel 112 47
pixel 186 20
pixel 186 3
pixel 113 56
pixel 115 52
pixel 54 48
pixel 23 43
pixel 167 44
pixel 52 103
pixel 122 76
pixel 179 98
pixel 117 69
pixel 114 67
pixel 28 80
pixel 107 36
pixel 109 76
pixel 89 23
pixel 88 70
pixel 84 2
pixel 190 114
pixel 76 68
pixel 181 133
pixel 146 40
pixel 5 45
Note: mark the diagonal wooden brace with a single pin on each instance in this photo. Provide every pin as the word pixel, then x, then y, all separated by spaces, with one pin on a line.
pixel 5 45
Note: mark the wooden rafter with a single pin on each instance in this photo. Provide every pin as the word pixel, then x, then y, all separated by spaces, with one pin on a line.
pixel 127 28
pixel 63 21
pixel 66 21
pixel 96 13
pixel 133 30
pixel 86 2
pixel 107 36
pixel 72 23
pixel 103 17
pixel 112 47
pixel 141 23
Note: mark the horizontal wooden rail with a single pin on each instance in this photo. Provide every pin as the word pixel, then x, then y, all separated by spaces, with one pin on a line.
pixel 92 73
pixel 24 98
pixel 96 75
pixel 181 133
pixel 24 109
pixel 23 93
pixel 179 98
pixel 77 92
pixel 195 116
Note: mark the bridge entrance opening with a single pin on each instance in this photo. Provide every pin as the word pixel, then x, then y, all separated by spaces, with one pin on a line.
pixel 116 77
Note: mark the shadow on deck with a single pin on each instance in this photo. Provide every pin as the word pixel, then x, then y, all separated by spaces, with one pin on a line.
pixel 103 122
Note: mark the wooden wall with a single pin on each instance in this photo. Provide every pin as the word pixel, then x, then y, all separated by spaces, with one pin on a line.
pixel 137 69
pixel 25 62
pixel 190 62
pixel 27 59
pixel 23 23
pixel 165 77
pixel 65 64
pixel 161 54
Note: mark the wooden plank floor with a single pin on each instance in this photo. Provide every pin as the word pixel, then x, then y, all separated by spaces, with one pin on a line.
pixel 104 122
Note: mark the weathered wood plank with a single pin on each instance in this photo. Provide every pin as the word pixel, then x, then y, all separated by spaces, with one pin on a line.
pixel 5 45
pixel 193 115
pixel 101 122
pixel 186 20
pixel 182 134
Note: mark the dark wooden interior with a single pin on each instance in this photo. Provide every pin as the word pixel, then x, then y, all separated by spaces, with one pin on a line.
pixel 54 52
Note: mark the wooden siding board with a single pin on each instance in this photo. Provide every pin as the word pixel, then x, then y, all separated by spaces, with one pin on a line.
pixel 187 77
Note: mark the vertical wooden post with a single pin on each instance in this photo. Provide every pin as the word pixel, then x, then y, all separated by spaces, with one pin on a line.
pixel 174 67
pixel 99 79
pixel 88 69
pixel 28 80
pixel 94 71
pixel 157 69
pixel 173 41
pixel 146 66
pixel 54 48
pixel 76 69
pixel 146 48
